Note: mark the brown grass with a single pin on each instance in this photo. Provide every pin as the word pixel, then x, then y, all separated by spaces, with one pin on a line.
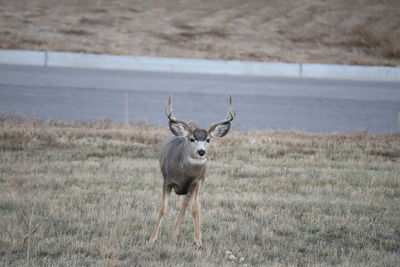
pixel 364 38
pixel 76 32
pixel 364 32
pixel 88 194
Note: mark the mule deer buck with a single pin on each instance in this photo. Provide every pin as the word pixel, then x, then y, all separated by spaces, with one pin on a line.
pixel 183 164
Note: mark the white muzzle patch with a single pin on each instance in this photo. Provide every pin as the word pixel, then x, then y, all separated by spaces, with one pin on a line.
pixel 198 161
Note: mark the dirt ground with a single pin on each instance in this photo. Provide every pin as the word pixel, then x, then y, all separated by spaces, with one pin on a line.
pixel 359 32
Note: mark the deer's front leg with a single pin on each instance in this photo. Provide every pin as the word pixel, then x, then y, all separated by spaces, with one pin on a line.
pixel 163 210
pixel 196 216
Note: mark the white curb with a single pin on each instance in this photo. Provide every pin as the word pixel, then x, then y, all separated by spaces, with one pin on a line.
pixel 58 59
pixel 345 72
pixel 19 57
pixel 270 69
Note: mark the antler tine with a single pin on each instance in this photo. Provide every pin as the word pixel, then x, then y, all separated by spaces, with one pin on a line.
pixel 170 114
pixel 230 114
pixel 168 108
pixel 229 117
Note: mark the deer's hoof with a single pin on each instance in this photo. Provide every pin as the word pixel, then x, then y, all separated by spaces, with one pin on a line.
pixel 151 241
pixel 198 243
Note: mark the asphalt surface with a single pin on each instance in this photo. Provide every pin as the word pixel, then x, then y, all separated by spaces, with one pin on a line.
pixel 260 103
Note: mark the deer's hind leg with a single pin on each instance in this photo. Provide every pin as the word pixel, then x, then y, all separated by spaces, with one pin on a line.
pixel 164 204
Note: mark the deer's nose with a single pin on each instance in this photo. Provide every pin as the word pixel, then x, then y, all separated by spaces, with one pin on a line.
pixel 201 152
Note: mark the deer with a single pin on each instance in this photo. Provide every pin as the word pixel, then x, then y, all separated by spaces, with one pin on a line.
pixel 183 164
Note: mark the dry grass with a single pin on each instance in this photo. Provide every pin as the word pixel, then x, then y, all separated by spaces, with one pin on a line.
pixel 365 32
pixel 364 38
pixel 88 194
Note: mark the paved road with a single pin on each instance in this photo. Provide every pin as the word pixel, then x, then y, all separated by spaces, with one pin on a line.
pixel 260 103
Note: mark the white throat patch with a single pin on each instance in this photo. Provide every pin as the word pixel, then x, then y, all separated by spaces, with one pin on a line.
pixel 193 161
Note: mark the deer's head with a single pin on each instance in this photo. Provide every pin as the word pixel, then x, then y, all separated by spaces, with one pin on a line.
pixel 198 138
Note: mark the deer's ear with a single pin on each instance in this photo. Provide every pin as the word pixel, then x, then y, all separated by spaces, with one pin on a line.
pixel 179 129
pixel 219 130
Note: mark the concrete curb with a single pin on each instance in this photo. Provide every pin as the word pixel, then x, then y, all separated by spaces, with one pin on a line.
pixel 345 72
pixel 58 59
pixel 20 57
pixel 271 69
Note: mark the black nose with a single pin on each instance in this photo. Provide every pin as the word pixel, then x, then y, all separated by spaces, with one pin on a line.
pixel 201 152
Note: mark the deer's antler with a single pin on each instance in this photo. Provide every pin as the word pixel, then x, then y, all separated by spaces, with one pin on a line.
pixel 178 127
pixel 229 117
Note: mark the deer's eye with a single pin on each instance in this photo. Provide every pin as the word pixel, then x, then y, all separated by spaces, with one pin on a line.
pixel 208 140
pixel 192 140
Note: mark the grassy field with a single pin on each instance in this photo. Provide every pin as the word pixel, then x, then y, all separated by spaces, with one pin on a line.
pixel 81 194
